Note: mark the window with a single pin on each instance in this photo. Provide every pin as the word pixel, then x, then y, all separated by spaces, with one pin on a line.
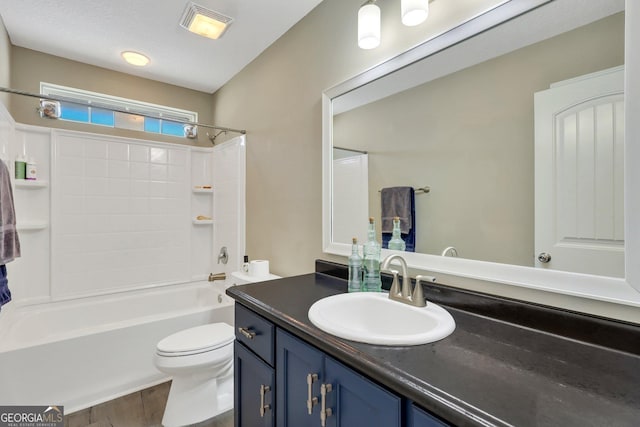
pixel 82 106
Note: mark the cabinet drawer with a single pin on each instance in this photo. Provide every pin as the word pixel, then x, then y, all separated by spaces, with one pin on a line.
pixel 256 333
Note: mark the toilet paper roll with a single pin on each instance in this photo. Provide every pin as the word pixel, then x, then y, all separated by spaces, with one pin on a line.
pixel 259 268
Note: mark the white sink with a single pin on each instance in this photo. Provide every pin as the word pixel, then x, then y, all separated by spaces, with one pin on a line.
pixel 373 318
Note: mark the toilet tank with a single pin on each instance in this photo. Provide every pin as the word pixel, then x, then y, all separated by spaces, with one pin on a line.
pixel 242 278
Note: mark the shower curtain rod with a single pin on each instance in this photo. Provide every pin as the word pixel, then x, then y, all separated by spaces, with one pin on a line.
pixel 53 98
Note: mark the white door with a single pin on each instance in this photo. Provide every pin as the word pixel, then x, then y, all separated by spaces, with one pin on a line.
pixel 579 149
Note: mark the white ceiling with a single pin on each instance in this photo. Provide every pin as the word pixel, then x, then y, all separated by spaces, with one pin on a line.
pixel 96 32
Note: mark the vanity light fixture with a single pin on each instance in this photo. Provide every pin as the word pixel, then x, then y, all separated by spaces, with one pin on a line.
pixel 369 25
pixel 135 58
pixel 204 22
pixel 414 12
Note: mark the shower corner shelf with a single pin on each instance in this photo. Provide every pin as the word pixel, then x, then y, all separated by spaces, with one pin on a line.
pixel 202 221
pixel 202 190
pixel 32 225
pixel 31 184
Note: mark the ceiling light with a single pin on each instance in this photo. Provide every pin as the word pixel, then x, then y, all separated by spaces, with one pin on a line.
pixel 135 58
pixel 369 25
pixel 414 12
pixel 204 22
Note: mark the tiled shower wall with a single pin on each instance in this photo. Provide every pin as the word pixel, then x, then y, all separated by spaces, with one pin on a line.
pixel 120 214
pixel 109 214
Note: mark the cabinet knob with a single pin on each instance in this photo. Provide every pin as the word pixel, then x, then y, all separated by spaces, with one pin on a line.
pixel 311 401
pixel 263 407
pixel 247 333
pixel 325 412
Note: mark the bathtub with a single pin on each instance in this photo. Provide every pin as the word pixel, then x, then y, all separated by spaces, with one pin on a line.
pixel 82 352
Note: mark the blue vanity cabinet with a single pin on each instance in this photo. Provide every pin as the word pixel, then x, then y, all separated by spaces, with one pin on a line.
pixel 254 373
pixel 304 375
pixel 299 373
pixel 354 400
pixel 417 417
pixel 281 380
pixel 254 383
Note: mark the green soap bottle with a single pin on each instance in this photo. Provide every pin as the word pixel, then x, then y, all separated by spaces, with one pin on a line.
pixel 21 168
pixel 372 250
pixel 396 241
pixel 355 268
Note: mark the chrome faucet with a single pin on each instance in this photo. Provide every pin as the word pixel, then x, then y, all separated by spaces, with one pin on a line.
pixel 415 298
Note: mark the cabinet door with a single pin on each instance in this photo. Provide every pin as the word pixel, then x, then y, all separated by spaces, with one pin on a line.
pixel 296 364
pixel 355 401
pixel 420 418
pixel 254 390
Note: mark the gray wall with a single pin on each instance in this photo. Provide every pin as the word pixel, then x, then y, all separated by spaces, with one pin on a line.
pixel 469 136
pixel 30 67
pixel 277 99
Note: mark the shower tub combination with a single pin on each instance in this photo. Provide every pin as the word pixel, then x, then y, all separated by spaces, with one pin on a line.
pixel 82 352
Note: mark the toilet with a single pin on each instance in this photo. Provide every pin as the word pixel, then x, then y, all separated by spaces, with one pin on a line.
pixel 200 362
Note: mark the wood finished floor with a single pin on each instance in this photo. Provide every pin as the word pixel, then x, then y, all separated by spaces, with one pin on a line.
pixel 140 409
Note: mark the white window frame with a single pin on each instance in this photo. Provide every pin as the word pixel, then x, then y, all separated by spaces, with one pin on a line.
pixel 109 102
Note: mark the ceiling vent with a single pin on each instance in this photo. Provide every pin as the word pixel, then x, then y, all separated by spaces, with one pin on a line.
pixel 204 22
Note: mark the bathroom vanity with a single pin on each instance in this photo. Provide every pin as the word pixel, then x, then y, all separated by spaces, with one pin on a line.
pixel 507 363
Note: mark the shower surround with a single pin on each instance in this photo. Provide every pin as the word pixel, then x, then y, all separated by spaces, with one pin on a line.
pixel 118 237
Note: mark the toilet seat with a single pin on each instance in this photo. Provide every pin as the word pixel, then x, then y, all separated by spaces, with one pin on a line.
pixel 200 339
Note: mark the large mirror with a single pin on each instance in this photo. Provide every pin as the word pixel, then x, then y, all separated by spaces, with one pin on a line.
pixel 513 139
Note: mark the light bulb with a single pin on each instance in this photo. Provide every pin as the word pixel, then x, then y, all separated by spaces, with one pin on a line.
pixel 135 58
pixel 414 12
pixel 369 26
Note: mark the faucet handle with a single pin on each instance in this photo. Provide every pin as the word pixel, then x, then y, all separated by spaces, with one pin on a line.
pixel 418 298
pixel 395 285
pixel 223 255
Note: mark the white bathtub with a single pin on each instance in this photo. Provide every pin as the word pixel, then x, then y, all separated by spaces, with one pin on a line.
pixel 82 352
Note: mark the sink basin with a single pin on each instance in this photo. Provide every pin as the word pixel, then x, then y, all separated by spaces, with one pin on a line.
pixel 373 318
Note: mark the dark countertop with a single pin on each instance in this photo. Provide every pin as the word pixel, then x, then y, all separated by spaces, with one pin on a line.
pixel 488 371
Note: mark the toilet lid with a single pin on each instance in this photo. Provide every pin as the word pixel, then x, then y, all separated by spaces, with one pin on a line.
pixel 198 339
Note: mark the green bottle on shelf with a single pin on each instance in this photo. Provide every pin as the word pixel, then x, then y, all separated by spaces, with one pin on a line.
pixel 355 268
pixel 372 250
pixel 396 241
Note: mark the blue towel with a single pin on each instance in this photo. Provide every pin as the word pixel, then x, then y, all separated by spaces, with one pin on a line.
pixel 400 202
pixel 5 293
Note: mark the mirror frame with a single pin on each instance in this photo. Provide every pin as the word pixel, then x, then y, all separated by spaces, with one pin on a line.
pixel 614 290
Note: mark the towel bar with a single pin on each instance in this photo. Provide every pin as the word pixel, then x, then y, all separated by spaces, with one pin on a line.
pixel 424 189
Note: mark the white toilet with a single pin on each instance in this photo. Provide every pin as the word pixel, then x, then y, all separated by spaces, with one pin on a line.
pixel 200 361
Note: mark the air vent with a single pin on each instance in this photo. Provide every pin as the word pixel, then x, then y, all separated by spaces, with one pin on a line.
pixel 204 22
